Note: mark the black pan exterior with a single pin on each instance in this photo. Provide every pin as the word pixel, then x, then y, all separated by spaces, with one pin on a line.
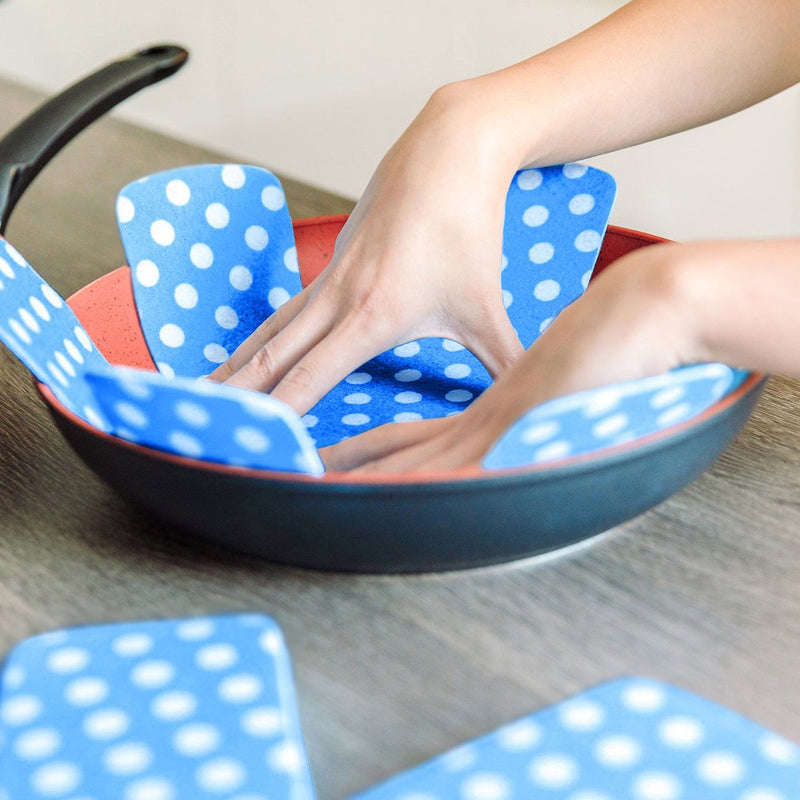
pixel 410 527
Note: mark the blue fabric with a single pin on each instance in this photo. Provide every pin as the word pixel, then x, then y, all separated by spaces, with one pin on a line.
pixel 205 420
pixel 630 739
pixel 40 329
pixel 555 221
pixel 190 709
pixel 589 421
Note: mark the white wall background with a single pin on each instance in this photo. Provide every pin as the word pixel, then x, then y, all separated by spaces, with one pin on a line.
pixel 319 90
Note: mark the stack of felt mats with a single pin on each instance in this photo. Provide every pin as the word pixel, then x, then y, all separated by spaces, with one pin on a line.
pixel 203 708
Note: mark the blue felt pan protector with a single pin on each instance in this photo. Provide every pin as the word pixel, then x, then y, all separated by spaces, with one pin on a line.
pixel 190 709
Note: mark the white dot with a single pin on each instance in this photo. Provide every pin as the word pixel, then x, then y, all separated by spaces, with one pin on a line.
pixel 610 426
pixel 15 255
pixel 65 365
pixel 108 723
pixel 226 317
pixel 458 396
pixel 762 793
pixel 460 758
pixel 552 451
pixel 290 260
pixel 535 216
pixel 192 414
pixel 127 758
pixel 186 295
pixel 171 335
pixel 309 420
pixel 215 657
pixel 152 674
pixel 240 688
pixel 162 232
pixel 529 179
pixel 277 297
pixel 503 262
pixel 68 660
pixel 581 204
pixel 407 375
pixel 553 771
pixel 581 715
pixel 185 444
pixel 508 298
pixel 720 769
pixel 251 439
pixel 656 786
pixel 86 691
pixel 586 277
pixel 233 176
pixel 29 320
pixel 19 331
pixel 201 255
pixel 357 398
pixel 407 350
pixel 52 296
pixel 196 739
pixel 6 269
pixel 357 378
pixel 451 346
pixel 573 171
pixel 673 415
pixel 125 209
pixel 173 706
pixel 220 775
pixel 178 193
pixel 132 644
pixel 263 722
pixel 618 752
pixel 215 353
pixel 256 237
pixel 681 732
pixel 56 778
pixel 457 370
pixel 643 698
pixel 150 789
pixel 485 786
pixel 195 630
pixel 778 750
pixel 407 397
pixel 13 677
pixel 240 278
pixel 57 373
pixel 273 198
pixel 285 757
pixel 547 290
pixel 355 419
pixel 39 307
pixel 21 710
pixel 522 735
pixel 217 215
pixel 131 414
pixel 73 351
pixel 37 743
pixel 588 241
pixel 407 416
pixel 541 253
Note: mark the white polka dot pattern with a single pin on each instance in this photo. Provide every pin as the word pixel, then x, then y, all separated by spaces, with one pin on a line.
pixel 589 421
pixel 211 250
pixel 610 743
pixel 38 326
pixel 173 723
pixel 207 420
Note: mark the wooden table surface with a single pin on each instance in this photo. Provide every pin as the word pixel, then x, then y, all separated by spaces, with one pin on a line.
pixel 703 591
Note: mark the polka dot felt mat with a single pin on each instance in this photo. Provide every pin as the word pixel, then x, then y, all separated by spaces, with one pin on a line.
pixel 169 710
pixel 630 739
pixel 212 254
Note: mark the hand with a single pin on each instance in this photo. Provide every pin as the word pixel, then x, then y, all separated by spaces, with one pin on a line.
pixel 419 256
pixel 637 319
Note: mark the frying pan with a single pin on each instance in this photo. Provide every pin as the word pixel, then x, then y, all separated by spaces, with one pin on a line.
pixel 445 520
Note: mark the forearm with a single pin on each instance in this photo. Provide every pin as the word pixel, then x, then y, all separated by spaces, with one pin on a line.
pixel 652 68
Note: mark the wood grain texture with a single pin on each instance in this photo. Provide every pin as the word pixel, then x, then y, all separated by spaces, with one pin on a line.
pixel 702 591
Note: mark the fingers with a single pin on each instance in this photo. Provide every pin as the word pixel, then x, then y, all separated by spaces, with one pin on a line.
pixel 265 332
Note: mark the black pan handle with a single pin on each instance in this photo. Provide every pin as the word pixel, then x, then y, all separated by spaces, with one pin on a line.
pixel 35 140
